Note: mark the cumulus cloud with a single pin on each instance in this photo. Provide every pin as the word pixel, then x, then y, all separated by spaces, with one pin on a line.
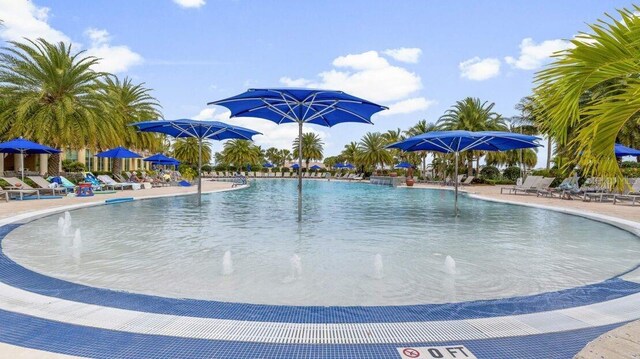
pixel 533 56
pixel 23 19
pixel 405 54
pixel 190 3
pixel 273 135
pixel 478 69
pixel 367 75
pixel 113 59
pixel 408 106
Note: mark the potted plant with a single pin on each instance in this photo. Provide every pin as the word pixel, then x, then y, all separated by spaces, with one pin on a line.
pixel 410 181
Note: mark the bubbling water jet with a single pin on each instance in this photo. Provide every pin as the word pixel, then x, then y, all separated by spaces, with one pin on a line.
pixel 450 265
pixel 378 266
pixel 227 263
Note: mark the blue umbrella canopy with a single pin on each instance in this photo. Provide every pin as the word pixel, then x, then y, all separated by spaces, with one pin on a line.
pixel 622 151
pixel 118 152
pixel 349 166
pixel 315 167
pixel 22 146
pixel 295 166
pixel 404 165
pixel 202 130
pixel 460 141
pixel 299 105
pixel 338 165
pixel 161 159
pixel 268 165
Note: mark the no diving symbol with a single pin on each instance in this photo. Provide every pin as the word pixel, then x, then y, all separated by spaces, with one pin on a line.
pixel 411 353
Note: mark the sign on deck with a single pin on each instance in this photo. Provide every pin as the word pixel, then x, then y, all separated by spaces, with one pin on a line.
pixel 445 352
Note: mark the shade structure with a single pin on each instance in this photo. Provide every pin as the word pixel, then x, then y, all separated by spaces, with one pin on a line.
pixel 622 151
pixel 404 165
pixel 460 141
pixel 202 130
pixel 118 152
pixel 22 146
pixel 284 105
pixel 315 167
pixel 295 166
pixel 160 159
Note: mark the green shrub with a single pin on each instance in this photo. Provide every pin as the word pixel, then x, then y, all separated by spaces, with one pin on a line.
pixel 490 172
pixel 73 166
pixel 207 168
pixel 630 164
pixel 511 173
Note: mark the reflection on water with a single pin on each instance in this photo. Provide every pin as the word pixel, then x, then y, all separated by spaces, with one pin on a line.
pixel 358 245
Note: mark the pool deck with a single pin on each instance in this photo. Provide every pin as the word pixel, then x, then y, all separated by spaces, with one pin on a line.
pixel 133 329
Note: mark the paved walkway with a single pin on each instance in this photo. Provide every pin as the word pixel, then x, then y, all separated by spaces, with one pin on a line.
pixel 128 325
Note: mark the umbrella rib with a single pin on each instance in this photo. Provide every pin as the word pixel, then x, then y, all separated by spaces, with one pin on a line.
pixel 289 105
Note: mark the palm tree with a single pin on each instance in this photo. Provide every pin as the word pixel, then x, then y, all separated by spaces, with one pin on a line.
pixel 273 155
pixel 529 122
pixel 589 93
pixel 241 152
pixel 311 148
pixel 52 96
pixel 350 153
pixel 373 151
pixel 185 150
pixel 471 115
pixel 285 156
pixel 419 128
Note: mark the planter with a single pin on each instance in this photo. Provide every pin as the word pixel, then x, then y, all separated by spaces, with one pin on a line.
pixel 410 182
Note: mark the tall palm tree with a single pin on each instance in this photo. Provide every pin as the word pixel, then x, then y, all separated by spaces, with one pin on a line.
pixel 185 150
pixel 311 148
pixel 373 151
pixel 350 153
pixel 52 96
pixel 530 121
pixel 241 152
pixel 273 155
pixel 471 114
pixel 590 92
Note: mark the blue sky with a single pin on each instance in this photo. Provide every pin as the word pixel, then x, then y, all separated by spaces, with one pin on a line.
pixel 418 57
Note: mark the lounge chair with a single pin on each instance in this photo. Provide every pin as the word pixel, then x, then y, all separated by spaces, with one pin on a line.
pixel 544 186
pixel 112 184
pixel 602 191
pixel 16 187
pixel 568 184
pixel 632 194
pixel 45 185
pixel 4 194
pixel 467 181
pixel 527 186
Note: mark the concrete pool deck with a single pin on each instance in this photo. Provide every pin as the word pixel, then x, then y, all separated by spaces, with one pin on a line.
pixel 601 346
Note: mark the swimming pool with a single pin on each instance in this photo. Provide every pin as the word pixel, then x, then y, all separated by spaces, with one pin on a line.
pixel 358 245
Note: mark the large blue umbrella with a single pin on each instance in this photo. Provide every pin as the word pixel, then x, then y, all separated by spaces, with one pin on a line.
pixel 283 105
pixel 22 146
pixel 460 141
pixel 404 165
pixel 202 130
pixel 622 151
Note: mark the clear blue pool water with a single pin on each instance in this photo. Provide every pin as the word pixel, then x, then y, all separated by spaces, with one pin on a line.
pixel 358 245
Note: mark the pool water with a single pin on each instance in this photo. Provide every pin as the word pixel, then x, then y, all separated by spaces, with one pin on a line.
pixel 358 244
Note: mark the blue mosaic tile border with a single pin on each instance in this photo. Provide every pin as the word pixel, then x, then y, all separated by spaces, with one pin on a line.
pixel 15 275
pixel 37 333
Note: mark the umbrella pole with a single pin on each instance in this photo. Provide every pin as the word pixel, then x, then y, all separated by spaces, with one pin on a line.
pixel 300 171
pixel 199 172
pixel 455 176
pixel 22 164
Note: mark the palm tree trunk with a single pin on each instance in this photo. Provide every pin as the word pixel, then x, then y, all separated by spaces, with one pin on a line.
pixel 549 152
pixel 469 164
pixel 116 167
pixel 53 164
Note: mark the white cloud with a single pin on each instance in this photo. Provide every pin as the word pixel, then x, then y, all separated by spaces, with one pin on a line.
pixel 405 54
pixel 190 3
pixel 367 75
pixel 23 19
pixel 478 69
pixel 408 106
pixel 273 135
pixel 533 56
pixel 113 59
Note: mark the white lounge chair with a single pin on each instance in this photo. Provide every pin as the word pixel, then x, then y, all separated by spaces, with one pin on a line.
pixel 111 183
pixel 527 186
pixel 20 188
pixel 45 185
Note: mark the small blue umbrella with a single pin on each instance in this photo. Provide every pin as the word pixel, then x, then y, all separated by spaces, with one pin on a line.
pixel 338 165
pixel 202 130
pixel 295 166
pixel 297 105
pixel 268 165
pixel 349 166
pixel 118 152
pixel 160 159
pixel 404 165
pixel 622 151
pixel 315 167
pixel 22 146
pixel 460 141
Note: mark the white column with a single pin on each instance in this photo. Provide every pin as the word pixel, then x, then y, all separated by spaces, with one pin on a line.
pixel 44 159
